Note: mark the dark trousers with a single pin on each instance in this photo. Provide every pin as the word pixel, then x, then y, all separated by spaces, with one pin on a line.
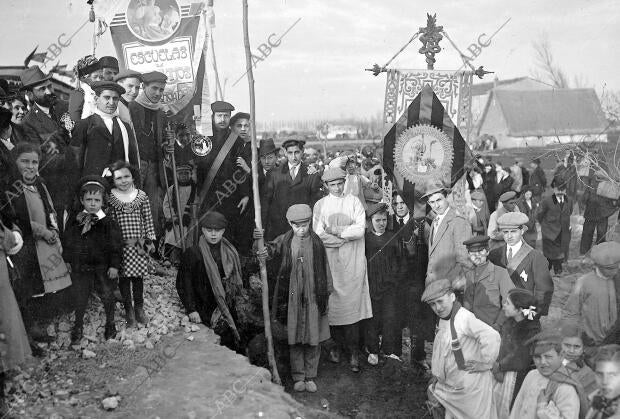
pixel 385 323
pixel 556 264
pixel 346 337
pixel 587 235
pixel 132 285
pixel 82 284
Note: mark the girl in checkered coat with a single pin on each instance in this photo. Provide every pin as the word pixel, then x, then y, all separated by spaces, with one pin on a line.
pixel 131 209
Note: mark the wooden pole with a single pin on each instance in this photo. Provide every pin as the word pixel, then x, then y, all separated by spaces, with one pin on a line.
pixel 257 209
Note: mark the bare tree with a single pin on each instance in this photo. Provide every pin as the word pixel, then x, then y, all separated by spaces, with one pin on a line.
pixel 546 67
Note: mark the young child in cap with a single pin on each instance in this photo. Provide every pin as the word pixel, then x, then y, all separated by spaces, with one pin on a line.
pixel 548 391
pixel 574 356
pixel 130 207
pixel 92 249
pixel 301 293
pixel 463 354
pixel 210 284
pixel 384 277
pixel 605 401
pixel 514 360
pixel 187 196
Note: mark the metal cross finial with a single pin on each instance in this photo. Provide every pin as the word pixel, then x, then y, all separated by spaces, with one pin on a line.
pixel 430 37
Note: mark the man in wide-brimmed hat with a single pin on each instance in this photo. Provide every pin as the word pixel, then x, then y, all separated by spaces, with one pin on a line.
pixel 43 127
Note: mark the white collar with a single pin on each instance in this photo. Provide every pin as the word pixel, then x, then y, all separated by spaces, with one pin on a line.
pixel 291 167
pixel 515 248
pixel 405 218
pixel 43 108
pixel 100 214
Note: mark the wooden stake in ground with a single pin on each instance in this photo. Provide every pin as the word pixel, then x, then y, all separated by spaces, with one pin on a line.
pixel 257 211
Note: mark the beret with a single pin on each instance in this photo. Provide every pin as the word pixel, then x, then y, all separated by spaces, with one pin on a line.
pixel 298 212
pixel 126 74
pixel 606 255
pixel 108 62
pixel 436 289
pixel 154 76
pixel 507 196
pixel 512 220
pixel 221 106
pixel 213 219
pixel 100 86
pixel 333 173
pixel 478 195
pixel 375 208
pixel 477 242
pixel 522 298
pixel 292 142
pixel 238 116
pixel 91 180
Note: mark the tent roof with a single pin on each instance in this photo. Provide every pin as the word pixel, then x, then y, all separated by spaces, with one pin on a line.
pixel 551 112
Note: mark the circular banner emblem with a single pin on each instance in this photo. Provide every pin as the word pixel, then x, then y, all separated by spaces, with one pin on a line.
pixel 423 153
pixel 153 20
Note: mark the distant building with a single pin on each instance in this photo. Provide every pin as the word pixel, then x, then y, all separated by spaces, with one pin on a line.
pixel 526 117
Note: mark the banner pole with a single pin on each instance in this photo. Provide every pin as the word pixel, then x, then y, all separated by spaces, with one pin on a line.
pixel 257 208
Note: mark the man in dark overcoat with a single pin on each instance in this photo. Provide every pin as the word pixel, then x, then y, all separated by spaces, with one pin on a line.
pixel 554 218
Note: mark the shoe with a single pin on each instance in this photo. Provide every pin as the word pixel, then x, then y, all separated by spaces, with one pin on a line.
pixel 354 364
pixel 373 359
pixel 76 335
pixel 299 386
pixel 394 357
pixel 139 314
pixel 311 386
pixel 110 331
pixel 130 317
pixel 334 356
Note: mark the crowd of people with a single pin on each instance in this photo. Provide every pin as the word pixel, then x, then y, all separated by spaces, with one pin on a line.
pixel 87 204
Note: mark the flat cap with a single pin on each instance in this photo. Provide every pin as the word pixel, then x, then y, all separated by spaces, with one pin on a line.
pixel 436 289
pixel 213 219
pixel 298 212
pixel 375 208
pixel 478 195
pixel 100 86
pixel 291 142
pixel 333 173
pixel 507 196
pixel 477 243
pixel 126 74
pixel 545 338
pixel 153 76
pixel 181 167
pixel 221 106
pixel 238 116
pixel 108 62
pixel 435 189
pixel 512 220
pixel 606 255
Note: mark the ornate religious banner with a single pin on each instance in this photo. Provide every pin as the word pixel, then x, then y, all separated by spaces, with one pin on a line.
pixel 453 89
pixel 167 36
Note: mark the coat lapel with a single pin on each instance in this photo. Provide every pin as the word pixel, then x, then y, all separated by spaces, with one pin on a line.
pixel 442 229
pixel 300 174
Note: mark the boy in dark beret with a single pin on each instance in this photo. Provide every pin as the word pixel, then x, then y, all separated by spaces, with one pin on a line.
pixel 92 244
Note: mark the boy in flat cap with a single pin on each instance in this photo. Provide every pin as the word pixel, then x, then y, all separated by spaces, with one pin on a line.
pixel 464 351
pixel 526 266
pixel 148 115
pixel 595 299
pixel 339 220
pixel 548 391
pixel 301 293
pixel 103 138
pixel 289 184
pixel 486 284
pixel 210 285
pixel 507 203
pixel 92 249
pixel 554 218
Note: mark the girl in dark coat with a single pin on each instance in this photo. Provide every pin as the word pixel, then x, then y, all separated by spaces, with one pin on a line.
pixel 514 360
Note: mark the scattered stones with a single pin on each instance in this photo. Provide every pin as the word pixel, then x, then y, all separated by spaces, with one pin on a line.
pixel 190 338
pixel 110 403
pixel 86 354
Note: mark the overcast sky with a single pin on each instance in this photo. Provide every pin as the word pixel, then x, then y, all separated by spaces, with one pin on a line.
pixel 318 70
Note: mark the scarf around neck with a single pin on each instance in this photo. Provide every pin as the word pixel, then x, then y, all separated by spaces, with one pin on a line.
pixel 147 103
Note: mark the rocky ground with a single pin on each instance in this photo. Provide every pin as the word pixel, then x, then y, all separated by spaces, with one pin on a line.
pixel 173 369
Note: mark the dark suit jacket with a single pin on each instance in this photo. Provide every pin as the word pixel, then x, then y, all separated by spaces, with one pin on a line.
pixel 538 181
pixel 555 218
pixel 281 192
pixel 531 234
pixel 529 270
pixel 137 117
pixel 96 145
pixel 76 104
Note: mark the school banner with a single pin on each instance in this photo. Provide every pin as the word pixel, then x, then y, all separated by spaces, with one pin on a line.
pixel 169 36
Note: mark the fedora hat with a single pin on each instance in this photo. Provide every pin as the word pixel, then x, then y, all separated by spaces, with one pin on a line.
pixel 266 146
pixel 32 76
